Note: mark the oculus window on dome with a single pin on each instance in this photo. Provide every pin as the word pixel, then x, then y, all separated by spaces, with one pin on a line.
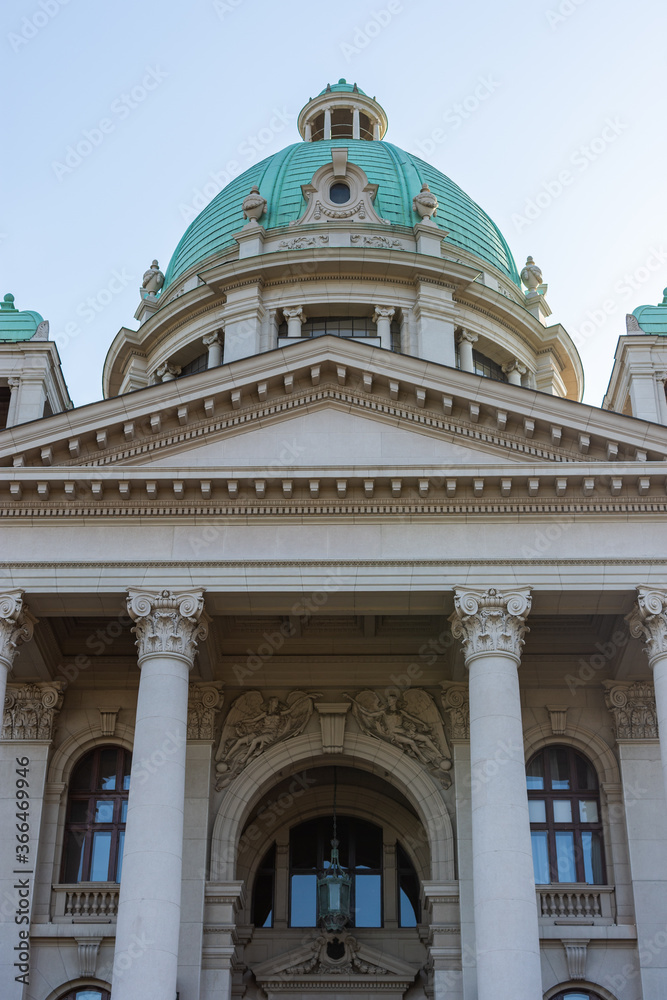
pixel 565 821
pixel 339 193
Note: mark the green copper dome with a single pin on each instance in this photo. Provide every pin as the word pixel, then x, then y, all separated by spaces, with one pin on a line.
pixel 15 325
pixel 398 174
pixel 653 319
pixel 342 87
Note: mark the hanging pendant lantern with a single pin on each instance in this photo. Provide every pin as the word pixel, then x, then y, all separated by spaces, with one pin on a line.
pixel 334 887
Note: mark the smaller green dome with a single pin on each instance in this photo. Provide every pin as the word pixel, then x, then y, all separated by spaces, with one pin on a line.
pixel 653 319
pixel 342 87
pixel 15 325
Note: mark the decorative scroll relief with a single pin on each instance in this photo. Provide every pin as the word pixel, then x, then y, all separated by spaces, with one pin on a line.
pixel 253 724
pixel 409 721
pixel 648 621
pixel 632 705
pixel 336 952
pixel 17 625
pixel 490 622
pixel 204 700
pixel 382 242
pixel 457 706
pixel 300 242
pixel 30 710
pixel 167 622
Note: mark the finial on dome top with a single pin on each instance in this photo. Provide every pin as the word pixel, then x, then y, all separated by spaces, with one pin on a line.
pixel 152 281
pixel 664 297
pixel 8 302
pixel 254 206
pixel 425 204
pixel 531 276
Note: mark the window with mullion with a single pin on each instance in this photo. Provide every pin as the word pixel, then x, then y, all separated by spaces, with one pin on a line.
pixel 565 823
pixel 96 815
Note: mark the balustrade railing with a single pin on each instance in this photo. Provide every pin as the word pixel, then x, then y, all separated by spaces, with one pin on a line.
pixel 93 902
pixel 564 902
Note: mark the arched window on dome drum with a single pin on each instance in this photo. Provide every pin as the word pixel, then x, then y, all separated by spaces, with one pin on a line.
pixel 200 364
pixel 576 994
pixel 96 814
pixel 345 326
pixel 484 366
pixel 86 993
pixel 565 822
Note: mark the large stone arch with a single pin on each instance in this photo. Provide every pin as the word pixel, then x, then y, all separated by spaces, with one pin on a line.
pixel 579 984
pixel 414 782
pixel 597 750
pixel 72 749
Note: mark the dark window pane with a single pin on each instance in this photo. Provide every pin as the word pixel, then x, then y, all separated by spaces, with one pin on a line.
pixel 78 812
pixel 108 769
pixel 535 773
pixel 88 994
pixel 303 901
pixel 368 846
pixel 99 865
pixel 339 194
pixel 303 845
pixel 408 916
pixel 586 776
pixel 83 775
pixel 560 768
pixel 263 900
pixel 408 896
pixel 127 767
pixel 123 811
pixel 368 901
pixel 74 857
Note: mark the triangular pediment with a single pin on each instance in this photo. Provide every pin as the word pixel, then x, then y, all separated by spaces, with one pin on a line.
pixel 337 420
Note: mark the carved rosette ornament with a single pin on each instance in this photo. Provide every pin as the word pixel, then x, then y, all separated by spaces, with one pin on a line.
pixel 30 710
pixel 648 621
pixel 204 700
pixel 16 625
pixel 167 622
pixel 490 621
pixel 632 705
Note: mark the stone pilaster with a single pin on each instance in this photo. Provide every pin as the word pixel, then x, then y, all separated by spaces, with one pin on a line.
pixel 168 626
pixel 491 626
pixel 648 621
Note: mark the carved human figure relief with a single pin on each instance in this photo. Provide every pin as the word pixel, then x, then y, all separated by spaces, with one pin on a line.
pixel 253 724
pixel 409 721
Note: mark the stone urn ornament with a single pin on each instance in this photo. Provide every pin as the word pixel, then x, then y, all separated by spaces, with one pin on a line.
pixel 152 281
pixel 254 206
pixel 425 203
pixel 531 276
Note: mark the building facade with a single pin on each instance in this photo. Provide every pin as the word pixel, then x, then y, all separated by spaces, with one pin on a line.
pixel 340 556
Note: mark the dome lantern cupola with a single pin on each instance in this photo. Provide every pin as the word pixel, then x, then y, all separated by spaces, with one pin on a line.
pixel 342 111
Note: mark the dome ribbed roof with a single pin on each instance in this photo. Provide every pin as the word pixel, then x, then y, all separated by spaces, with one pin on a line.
pixel 398 174
pixel 17 325
pixel 653 319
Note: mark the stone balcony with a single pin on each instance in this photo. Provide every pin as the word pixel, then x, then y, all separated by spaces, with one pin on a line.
pixel 94 902
pixel 566 903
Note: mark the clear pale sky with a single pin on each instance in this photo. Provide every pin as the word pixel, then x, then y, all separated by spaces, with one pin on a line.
pixel 550 114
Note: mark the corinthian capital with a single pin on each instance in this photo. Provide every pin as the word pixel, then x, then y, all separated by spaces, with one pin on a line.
pixel 16 625
pixel 167 622
pixel 490 622
pixel 648 621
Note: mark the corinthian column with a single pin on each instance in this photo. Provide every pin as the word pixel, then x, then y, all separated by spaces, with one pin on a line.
pixel 648 621
pixel 491 626
pixel 168 626
pixel 16 626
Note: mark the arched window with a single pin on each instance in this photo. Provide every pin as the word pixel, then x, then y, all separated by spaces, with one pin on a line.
pixel 96 814
pixel 362 855
pixel 565 822
pixel 87 993
pixel 576 994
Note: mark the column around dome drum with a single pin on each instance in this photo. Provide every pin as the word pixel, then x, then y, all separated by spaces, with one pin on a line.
pixel 466 340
